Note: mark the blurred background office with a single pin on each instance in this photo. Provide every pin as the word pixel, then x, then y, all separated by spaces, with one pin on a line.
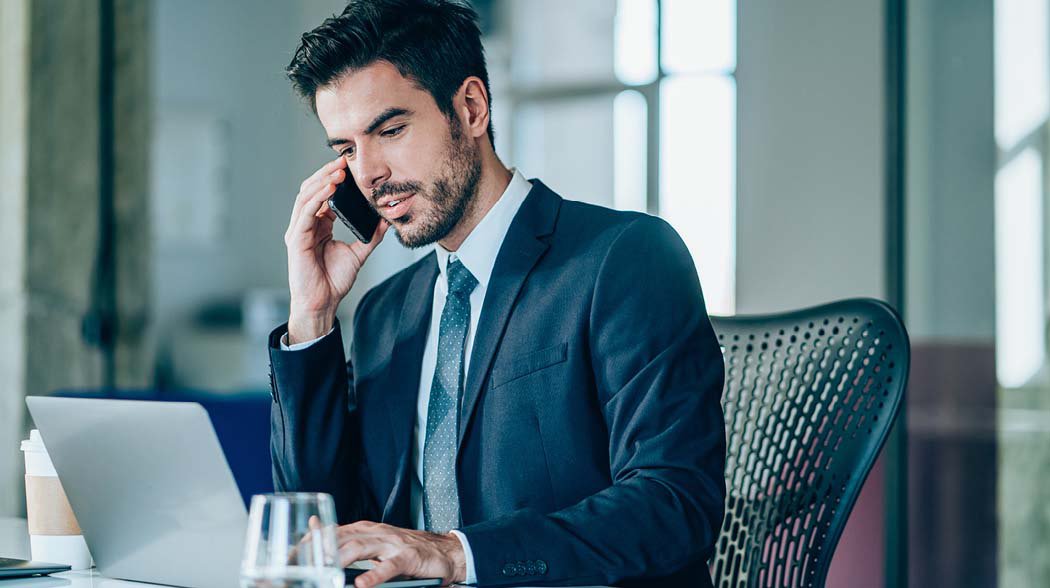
pixel 806 151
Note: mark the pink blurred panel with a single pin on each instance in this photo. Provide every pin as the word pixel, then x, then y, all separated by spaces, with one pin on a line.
pixel 859 558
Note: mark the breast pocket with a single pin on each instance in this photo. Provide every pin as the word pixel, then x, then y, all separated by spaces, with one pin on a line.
pixel 520 366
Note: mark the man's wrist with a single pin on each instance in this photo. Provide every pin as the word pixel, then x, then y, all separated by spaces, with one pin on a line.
pixel 457 557
pixel 304 327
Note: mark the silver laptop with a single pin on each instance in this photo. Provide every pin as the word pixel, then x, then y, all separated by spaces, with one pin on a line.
pixel 150 487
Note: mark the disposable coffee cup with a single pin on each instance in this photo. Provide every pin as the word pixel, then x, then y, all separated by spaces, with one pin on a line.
pixel 54 535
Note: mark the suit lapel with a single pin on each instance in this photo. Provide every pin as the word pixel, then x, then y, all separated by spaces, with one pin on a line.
pixel 522 248
pixel 402 383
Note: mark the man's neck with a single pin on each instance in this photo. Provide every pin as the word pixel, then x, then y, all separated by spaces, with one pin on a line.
pixel 493 183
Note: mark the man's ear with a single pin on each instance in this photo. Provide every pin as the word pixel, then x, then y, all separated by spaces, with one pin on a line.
pixel 472 104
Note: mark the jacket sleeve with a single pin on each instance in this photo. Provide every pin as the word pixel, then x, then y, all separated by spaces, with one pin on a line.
pixel 659 374
pixel 315 442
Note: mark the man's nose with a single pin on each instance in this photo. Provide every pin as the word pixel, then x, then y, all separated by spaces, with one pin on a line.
pixel 370 171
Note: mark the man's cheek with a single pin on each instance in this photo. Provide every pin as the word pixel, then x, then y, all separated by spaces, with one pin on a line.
pixel 416 158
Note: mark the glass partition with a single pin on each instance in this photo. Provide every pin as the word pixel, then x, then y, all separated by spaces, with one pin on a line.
pixel 976 293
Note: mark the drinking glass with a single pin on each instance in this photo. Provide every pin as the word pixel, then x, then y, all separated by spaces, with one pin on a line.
pixel 291 542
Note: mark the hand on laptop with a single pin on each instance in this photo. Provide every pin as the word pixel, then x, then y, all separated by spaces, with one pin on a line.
pixel 400 552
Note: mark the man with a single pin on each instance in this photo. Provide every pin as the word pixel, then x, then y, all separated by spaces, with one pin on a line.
pixel 534 402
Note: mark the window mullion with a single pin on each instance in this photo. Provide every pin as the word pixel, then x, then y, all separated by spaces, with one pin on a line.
pixel 653 114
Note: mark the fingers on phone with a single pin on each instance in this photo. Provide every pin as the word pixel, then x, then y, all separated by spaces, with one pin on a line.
pixel 337 163
pixel 311 205
pixel 311 210
pixel 322 175
pixel 328 176
pixel 324 211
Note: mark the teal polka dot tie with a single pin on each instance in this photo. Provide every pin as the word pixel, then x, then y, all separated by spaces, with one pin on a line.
pixel 440 496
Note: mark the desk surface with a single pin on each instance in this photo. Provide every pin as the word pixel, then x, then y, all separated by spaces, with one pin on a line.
pixel 14 543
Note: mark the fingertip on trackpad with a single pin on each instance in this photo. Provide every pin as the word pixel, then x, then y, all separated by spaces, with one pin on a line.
pixel 359 567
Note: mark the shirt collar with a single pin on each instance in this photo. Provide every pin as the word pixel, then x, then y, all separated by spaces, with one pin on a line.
pixel 478 251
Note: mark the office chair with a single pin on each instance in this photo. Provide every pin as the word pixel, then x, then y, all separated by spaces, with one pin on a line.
pixel 809 399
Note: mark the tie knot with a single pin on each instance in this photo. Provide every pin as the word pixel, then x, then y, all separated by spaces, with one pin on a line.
pixel 460 280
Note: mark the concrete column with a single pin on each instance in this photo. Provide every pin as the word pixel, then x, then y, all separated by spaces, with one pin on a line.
pixel 62 195
pixel 14 57
pixel 51 174
pixel 133 110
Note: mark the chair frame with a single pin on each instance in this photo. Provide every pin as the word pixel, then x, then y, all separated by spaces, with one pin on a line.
pixel 828 382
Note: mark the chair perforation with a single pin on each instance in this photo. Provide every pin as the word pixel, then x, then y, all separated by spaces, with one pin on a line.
pixel 809 395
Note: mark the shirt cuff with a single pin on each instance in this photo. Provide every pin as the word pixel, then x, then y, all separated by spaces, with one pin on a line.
pixel 472 577
pixel 297 346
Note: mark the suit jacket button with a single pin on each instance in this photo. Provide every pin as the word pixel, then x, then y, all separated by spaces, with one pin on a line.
pixel 541 567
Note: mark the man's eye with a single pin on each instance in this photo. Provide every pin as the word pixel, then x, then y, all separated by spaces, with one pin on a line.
pixel 348 152
pixel 393 131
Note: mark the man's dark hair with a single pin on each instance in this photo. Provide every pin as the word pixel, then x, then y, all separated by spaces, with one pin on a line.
pixel 435 43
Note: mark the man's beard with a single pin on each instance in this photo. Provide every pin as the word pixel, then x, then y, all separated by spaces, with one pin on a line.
pixel 452 196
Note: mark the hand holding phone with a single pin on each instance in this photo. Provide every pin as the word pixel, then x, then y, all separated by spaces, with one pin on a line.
pixel 321 270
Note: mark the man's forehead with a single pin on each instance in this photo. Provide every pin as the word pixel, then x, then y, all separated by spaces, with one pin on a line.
pixel 353 100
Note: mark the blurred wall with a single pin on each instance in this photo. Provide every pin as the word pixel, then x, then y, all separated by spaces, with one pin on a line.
pixel 811 189
pixel 220 86
pixel 951 171
pixel 220 97
pixel 810 153
pixel 953 454
pixel 220 63
pixel 954 460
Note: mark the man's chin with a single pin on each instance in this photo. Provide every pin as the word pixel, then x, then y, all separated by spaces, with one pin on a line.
pixel 413 237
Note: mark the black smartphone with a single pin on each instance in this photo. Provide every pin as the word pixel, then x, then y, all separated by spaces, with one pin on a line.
pixel 353 208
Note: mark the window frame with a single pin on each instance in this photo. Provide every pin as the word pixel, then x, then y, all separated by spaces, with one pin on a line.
pixel 517 95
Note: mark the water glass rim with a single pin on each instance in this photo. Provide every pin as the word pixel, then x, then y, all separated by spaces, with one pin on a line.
pixel 294 496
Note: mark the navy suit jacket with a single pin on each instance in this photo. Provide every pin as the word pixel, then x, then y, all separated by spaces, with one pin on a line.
pixel 591 439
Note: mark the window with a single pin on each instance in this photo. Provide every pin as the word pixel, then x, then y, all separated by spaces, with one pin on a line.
pixel 1022 110
pixel 633 105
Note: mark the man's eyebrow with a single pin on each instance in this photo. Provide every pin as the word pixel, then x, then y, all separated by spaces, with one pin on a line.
pixel 384 116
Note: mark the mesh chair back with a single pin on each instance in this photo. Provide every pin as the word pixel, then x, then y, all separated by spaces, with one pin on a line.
pixel 809 399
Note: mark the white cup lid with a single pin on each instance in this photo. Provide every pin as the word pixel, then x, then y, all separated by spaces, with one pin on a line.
pixel 34 442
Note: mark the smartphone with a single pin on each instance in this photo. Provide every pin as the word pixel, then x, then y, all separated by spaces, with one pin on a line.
pixel 353 208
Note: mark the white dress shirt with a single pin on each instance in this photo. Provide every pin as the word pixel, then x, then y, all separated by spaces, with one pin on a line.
pixel 478 254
